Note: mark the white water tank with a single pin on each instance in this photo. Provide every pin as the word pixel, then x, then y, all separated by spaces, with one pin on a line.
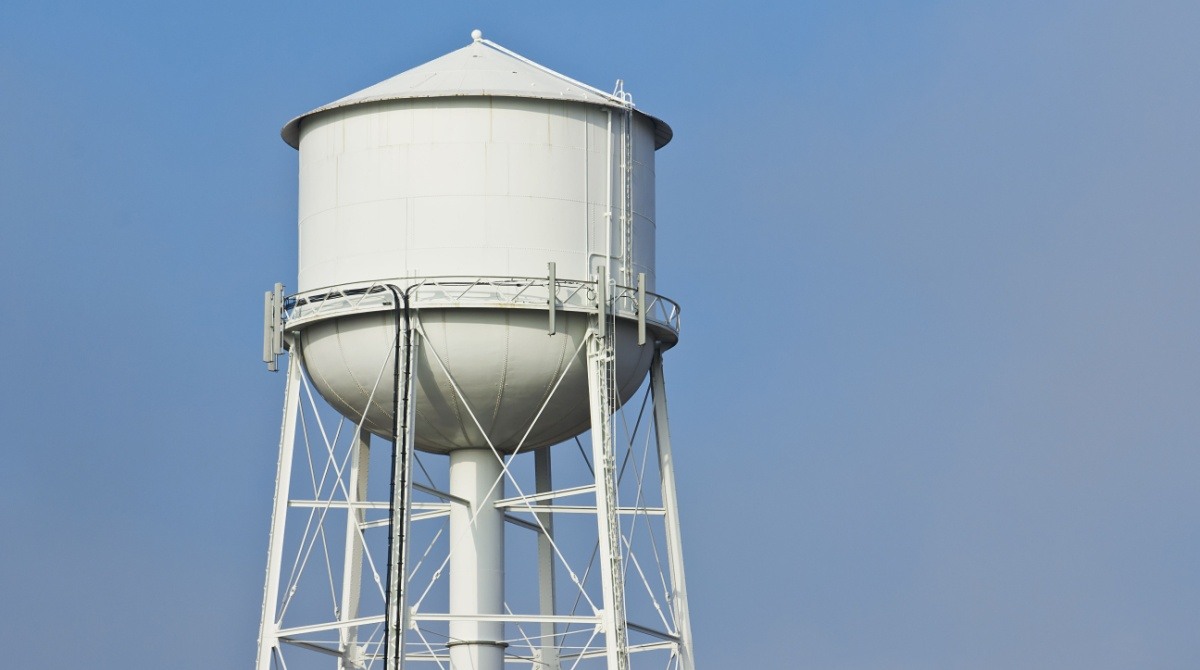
pixel 479 166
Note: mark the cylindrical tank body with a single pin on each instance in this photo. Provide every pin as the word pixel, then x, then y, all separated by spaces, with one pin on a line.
pixel 469 186
pixel 482 179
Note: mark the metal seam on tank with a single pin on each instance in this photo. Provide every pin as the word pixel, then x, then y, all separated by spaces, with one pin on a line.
pixel 558 371
pixel 629 388
pixel 366 411
pixel 365 393
pixel 387 410
pixel 522 196
pixel 325 380
pixel 580 402
pixel 425 422
pixel 563 428
pixel 503 371
pixel 494 247
pixel 453 395
pixel 548 424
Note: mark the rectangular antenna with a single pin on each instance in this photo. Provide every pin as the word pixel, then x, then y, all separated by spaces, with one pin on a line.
pixel 273 327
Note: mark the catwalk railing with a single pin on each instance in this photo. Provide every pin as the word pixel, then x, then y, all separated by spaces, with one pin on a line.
pixel 481 292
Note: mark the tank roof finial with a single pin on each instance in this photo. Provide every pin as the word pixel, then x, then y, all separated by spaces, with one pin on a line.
pixel 476 35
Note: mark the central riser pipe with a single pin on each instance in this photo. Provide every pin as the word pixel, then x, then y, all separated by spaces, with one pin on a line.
pixel 476 560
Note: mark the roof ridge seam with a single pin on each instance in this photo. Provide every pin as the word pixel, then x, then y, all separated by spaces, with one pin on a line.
pixel 574 82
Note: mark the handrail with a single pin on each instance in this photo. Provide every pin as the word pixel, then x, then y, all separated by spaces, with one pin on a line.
pixel 478 292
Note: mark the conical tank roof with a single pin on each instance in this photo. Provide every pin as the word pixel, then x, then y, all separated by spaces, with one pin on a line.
pixel 482 68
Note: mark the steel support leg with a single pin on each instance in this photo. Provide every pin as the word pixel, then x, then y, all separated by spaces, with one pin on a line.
pixel 543 482
pixel 666 469
pixel 268 642
pixel 360 458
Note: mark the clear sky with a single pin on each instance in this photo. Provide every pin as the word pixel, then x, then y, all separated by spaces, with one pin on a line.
pixel 937 402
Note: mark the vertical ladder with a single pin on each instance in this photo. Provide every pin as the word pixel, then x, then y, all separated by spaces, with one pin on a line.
pixel 627 270
pixel 603 399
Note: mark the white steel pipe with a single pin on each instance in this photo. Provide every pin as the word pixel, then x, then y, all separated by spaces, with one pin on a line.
pixel 360 459
pixel 268 632
pixel 547 654
pixel 476 560
pixel 666 470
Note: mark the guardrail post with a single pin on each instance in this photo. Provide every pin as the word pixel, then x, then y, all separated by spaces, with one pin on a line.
pixel 552 300
pixel 601 301
pixel 641 308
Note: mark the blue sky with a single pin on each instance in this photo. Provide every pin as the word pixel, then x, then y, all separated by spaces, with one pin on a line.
pixel 936 402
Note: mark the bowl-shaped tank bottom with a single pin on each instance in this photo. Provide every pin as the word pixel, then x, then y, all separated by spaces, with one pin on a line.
pixel 524 387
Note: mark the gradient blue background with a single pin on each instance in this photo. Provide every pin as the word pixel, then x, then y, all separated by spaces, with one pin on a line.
pixel 936 405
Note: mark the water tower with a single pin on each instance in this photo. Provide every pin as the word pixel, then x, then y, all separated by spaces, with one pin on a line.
pixel 476 291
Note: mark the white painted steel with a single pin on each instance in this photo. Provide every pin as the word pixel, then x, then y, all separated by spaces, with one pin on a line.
pixel 547 653
pixel 268 640
pixel 482 68
pixel 502 360
pixel 425 293
pixel 476 560
pixel 475 491
pixel 480 163
pixel 478 190
pixel 666 469
pixel 353 556
pixel 468 186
